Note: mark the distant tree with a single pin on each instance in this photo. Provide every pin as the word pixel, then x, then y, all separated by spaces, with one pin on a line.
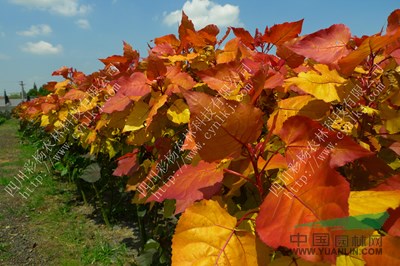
pixel 32 93
pixel 15 95
pixel 42 91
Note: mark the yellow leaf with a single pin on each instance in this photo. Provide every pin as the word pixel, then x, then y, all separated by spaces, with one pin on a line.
pixel 206 235
pixel 395 164
pixel 58 124
pixel 91 136
pixel 137 117
pixel 178 58
pixel 323 85
pixel 286 261
pixel 87 104
pixel 101 123
pixel 139 137
pixel 350 260
pixel 305 105
pixel 110 148
pixel 179 112
pixel 45 121
pixel 392 118
pixel 62 84
pixel 60 87
pixel 368 110
pixel 367 202
pixel 94 148
pixel 63 114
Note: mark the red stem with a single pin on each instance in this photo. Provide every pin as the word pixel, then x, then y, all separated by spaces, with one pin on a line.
pixel 240 175
pixel 244 217
pixel 255 167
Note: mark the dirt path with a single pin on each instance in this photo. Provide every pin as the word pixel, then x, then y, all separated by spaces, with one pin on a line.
pixel 51 227
pixel 17 246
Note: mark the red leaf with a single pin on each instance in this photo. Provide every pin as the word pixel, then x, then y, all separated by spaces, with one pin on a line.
pixel 292 59
pixel 127 164
pixel 223 78
pixel 322 195
pixel 63 71
pixel 47 107
pixel 395 146
pixel 393 22
pixel 134 85
pixel 325 46
pixel 129 53
pixel 155 68
pixel 114 59
pixel 186 24
pixel 209 34
pixel 314 190
pixel 176 80
pixel 340 148
pixel 117 103
pixel 244 36
pixel 390 252
pixel 392 224
pixel 391 183
pixel 281 33
pixel 75 94
pixel 190 183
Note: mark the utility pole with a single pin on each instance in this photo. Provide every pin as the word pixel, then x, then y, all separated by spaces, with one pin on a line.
pixel 21 83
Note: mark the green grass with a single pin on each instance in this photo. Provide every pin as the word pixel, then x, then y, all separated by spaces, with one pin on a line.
pixel 4 253
pixel 64 234
pixel 104 254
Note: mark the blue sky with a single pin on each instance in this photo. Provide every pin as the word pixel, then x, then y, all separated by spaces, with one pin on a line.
pixel 39 36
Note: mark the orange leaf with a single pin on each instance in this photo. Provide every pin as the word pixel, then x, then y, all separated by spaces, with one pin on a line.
pixel 369 45
pixel 226 128
pixel 206 235
pixel 230 52
pixel 170 39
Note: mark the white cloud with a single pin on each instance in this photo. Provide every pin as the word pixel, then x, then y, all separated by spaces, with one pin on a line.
pixel 4 57
pixel 83 24
pixel 204 12
pixel 36 30
pixel 41 48
pixel 59 7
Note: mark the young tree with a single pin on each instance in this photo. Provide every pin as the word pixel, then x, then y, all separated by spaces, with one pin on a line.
pixel 34 92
